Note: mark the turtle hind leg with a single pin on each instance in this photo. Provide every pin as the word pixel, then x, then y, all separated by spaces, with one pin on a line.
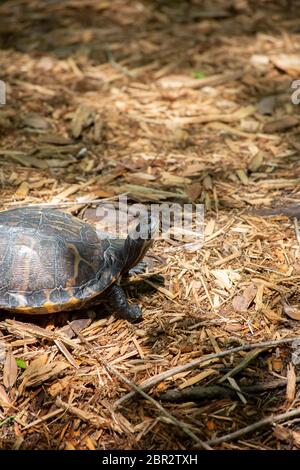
pixel 140 268
pixel 116 299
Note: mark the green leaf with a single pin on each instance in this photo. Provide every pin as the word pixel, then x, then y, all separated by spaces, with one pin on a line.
pixel 21 363
pixel 198 74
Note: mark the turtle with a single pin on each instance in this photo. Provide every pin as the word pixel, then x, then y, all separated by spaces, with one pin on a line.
pixel 51 261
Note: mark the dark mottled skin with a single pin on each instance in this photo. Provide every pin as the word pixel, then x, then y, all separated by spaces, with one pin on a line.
pixel 50 261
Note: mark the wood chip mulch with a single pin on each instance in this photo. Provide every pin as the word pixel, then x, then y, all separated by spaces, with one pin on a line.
pixel 185 101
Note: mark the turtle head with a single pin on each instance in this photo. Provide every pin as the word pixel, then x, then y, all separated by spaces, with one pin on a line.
pixel 139 240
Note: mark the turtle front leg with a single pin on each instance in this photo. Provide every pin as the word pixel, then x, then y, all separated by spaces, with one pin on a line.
pixel 116 299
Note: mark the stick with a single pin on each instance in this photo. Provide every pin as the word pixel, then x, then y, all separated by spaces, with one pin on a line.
pixel 217 391
pixel 137 389
pixel 44 418
pixel 171 418
pixel 190 365
pixel 252 427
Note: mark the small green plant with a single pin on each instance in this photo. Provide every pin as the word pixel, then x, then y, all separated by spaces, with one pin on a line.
pixel 7 420
pixel 198 74
pixel 21 363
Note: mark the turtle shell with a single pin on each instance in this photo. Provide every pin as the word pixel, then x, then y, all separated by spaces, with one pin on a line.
pixel 50 261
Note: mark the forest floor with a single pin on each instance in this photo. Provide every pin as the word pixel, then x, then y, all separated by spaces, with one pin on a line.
pixel 185 101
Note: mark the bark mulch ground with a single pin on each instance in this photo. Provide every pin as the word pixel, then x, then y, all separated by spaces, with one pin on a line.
pixel 164 101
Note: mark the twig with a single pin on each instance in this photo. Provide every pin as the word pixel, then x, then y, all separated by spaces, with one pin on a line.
pixel 217 391
pixel 137 389
pixel 243 364
pixel 252 427
pixel 44 418
pixel 190 365
pixel 171 418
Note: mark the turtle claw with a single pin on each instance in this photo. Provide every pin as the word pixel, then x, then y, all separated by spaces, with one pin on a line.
pixel 140 268
pixel 134 313
pixel 117 300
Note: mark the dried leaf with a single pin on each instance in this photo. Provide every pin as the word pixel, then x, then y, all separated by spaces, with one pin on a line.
pixel 193 191
pixel 292 311
pixel 241 303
